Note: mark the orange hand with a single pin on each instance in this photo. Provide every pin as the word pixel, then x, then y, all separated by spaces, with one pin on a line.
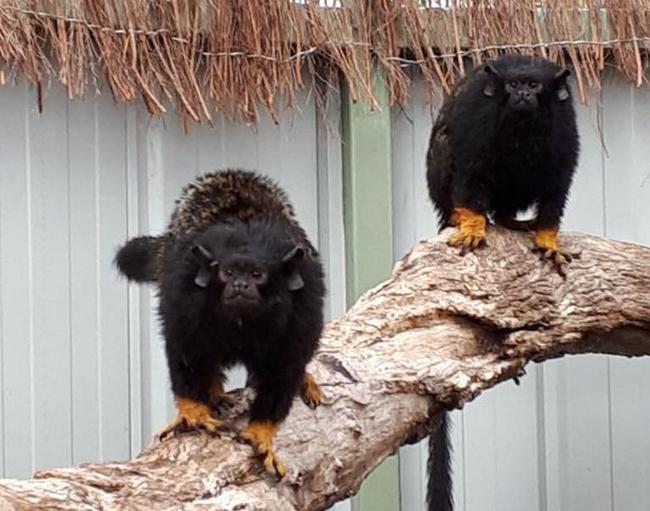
pixel 310 392
pixel 471 229
pixel 191 415
pixel 260 436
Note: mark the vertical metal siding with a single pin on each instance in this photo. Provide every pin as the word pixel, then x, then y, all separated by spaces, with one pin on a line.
pixel 572 436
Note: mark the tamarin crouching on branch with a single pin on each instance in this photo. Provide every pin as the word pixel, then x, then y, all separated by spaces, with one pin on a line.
pixel 505 140
pixel 239 283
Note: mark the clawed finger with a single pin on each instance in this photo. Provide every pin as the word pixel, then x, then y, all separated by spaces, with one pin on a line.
pixel 274 466
pixel 559 260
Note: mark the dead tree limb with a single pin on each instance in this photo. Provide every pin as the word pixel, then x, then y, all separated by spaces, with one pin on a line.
pixel 443 325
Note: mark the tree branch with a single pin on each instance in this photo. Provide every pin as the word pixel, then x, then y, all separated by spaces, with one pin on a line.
pixel 443 325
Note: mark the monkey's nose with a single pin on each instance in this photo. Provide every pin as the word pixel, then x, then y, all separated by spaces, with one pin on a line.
pixel 240 285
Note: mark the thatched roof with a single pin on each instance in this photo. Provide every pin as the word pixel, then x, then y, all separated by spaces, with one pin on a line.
pixel 203 56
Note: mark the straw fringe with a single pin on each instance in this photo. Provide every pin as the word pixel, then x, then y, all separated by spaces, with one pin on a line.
pixel 235 57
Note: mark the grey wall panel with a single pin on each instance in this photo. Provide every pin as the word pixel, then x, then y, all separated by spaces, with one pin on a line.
pixel 16 279
pixel 576 389
pixel 627 197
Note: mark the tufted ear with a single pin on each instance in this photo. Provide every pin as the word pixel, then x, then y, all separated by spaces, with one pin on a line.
pixel 291 265
pixel 562 87
pixel 490 87
pixel 206 265
pixel 490 69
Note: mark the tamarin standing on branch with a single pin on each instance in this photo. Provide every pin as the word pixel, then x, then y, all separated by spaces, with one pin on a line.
pixel 239 283
pixel 504 140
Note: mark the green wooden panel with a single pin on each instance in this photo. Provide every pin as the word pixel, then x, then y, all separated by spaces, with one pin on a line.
pixel 369 239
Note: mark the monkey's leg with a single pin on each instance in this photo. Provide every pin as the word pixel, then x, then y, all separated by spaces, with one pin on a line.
pixel 471 229
pixel 269 409
pixel 310 392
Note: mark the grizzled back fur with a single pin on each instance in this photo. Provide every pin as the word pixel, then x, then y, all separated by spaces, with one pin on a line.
pixel 212 198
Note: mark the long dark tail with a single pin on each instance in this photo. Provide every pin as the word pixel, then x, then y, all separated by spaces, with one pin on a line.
pixel 138 258
pixel 439 488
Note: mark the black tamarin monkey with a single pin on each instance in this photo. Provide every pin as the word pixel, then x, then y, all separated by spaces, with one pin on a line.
pixel 504 140
pixel 239 283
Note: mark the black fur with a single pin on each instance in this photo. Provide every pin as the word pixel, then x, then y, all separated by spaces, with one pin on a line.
pixel 494 158
pixel 137 259
pixel 439 494
pixel 234 219
pixel 504 140
pixel 274 339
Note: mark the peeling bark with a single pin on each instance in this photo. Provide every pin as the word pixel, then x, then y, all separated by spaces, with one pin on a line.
pixel 440 331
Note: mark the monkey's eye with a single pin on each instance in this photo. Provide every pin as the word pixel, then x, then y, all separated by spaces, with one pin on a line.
pixel 533 84
pixel 514 83
pixel 256 275
pixel 228 273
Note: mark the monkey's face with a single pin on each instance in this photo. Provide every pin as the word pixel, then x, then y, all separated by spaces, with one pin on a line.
pixel 241 281
pixel 524 84
pixel 523 93
pixel 248 270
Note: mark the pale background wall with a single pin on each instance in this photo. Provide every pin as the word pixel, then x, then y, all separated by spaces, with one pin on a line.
pixel 83 376
pixel 573 436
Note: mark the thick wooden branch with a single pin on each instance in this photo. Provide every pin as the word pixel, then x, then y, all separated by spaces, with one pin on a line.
pixel 444 325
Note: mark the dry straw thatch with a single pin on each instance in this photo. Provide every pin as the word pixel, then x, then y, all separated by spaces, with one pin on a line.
pixel 204 56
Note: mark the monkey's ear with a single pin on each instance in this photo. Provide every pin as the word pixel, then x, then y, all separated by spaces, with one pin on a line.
pixel 490 69
pixel 562 88
pixel 207 263
pixel 291 262
pixel 490 87
pixel 202 252
pixel 562 74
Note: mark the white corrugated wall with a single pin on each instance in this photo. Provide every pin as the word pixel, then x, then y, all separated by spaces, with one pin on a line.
pixel 574 435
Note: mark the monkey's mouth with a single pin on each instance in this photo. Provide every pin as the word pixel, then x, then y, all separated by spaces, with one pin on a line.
pixel 240 301
pixel 520 105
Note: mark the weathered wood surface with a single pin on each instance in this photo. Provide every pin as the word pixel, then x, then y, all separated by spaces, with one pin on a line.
pixel 443 325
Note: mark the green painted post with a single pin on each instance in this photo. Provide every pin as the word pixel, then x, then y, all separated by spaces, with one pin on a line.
pixel 369 238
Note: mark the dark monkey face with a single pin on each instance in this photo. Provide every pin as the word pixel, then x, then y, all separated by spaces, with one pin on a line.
pixel 523 93
pixel 250 267
pixel 241 280
pixel 525 83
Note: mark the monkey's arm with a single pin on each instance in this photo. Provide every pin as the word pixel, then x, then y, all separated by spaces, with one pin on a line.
pixel 196 380
pixel 470 195
pixel 278 376
pixel 549 214
pixel 275 389
pixel 197 387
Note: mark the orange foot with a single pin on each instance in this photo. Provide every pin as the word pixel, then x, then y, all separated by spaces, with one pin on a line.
pixel 260 436
pixel 310 392
pixel 546 245
pixel 191 415
pixel 471 230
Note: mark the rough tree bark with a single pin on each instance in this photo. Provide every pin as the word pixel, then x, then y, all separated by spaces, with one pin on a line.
pixel 440 331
